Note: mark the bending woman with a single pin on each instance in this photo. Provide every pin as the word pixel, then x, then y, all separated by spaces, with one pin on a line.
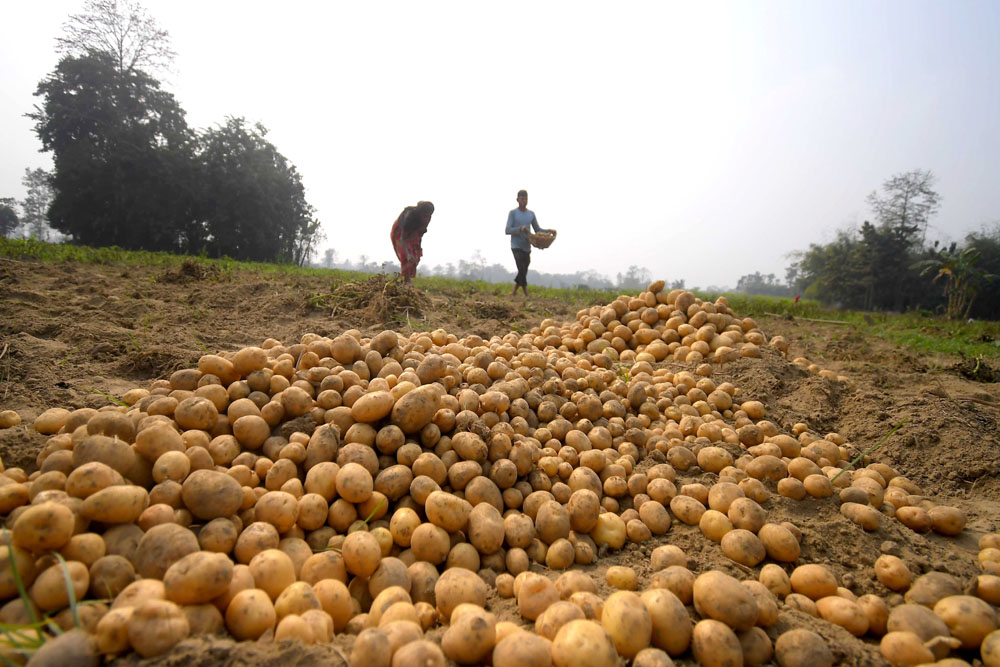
pixel 406 234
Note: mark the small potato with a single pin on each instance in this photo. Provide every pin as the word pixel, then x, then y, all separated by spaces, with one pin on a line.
pixel 362 553
pixel 915 518
pixel 801 603
pixel 686 509
pixel 419 652
pixel 865 516
pixel 814 581
pixel 917 619
pixel 987 587
pixel 757 647
pixel 109 575
pixel 775 580
pixel 371 649
pixel 767 603
pixel 555 616
pixel 86 548
pixel 610 531
pixel 667 555
pixel 583 643
pixel 155 626
pixel 620 577
pixel 209 494
pixel 714 524
pixel 990 649
pixel 111 635
pixel 928 588
pixel 802 647
pixel 161 547
pixel 713 643
pixel 892 572
pixel 877 612
pixel 250 614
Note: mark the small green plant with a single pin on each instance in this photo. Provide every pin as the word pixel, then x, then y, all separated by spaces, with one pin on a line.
pixel 113 399
pixel 868 451
pixel 623 373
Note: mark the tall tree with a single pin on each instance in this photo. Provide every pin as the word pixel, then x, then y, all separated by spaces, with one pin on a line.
pixel 906 204
pixel 9 219
pixel 256 207
pixel 123 30
pixel 123 156
pixel 35 205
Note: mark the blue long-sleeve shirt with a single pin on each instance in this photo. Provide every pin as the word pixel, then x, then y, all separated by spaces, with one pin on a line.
pixel 517 219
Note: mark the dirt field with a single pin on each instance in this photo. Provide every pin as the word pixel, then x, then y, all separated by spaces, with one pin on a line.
pixel 69 334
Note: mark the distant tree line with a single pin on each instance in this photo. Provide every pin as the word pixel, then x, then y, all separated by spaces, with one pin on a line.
pixel 129 171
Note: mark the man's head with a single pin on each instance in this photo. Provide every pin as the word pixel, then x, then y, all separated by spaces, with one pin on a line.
pixel 522 198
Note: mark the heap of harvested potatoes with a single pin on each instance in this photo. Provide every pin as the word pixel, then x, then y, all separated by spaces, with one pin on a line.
pixel 380 487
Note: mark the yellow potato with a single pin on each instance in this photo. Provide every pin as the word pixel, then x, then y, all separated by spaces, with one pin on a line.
pixel 802 647
pixel 583 643
pixel 714 643
pixel 155 626
pixel 44 527
pixel 250 614
pixel 198 578
pixel 719 596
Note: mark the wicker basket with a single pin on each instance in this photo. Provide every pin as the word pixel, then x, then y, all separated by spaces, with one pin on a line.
pixel 543 239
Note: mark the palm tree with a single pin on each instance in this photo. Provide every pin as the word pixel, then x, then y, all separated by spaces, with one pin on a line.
pixel 963 279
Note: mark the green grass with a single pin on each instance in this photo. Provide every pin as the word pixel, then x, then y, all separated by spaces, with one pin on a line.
pixel 920 332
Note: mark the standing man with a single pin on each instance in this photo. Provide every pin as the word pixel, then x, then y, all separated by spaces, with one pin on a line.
pixel 518 222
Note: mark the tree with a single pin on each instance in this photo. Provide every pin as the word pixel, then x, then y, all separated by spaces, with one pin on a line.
pixel 35 206
pixel 254 204
pixel 756 283
pixel 329 258
pixel 907 203
pixel 124 157
pixel 9 220
pixel 122 30
pixel 637 277
pixel 963 279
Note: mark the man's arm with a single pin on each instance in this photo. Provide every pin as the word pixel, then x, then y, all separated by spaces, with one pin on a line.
pixel 512 227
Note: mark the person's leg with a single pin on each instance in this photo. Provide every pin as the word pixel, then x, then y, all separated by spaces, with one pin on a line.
pixel 521 260
pixel 527 262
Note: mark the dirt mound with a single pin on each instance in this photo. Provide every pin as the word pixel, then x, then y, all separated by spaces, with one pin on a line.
pixel 380 299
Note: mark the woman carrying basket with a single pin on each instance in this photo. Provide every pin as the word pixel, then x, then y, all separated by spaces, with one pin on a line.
pixel 518 222
pixel 406 234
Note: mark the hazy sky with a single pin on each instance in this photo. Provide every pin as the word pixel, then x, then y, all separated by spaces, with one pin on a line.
pixel 700 140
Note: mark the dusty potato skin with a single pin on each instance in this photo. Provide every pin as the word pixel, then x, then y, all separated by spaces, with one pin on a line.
pixel 250 614
pixel 209 494
pixel 583 643
pixel 198 578
pixel 155 626
pixel 44 527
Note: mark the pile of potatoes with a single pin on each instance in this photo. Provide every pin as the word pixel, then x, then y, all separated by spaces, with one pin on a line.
pixel 380 486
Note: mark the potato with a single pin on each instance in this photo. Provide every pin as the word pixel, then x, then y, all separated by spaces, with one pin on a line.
pixel 371 649
pixel 44 527
pixel 273 571
pixel 714 524
pixel 987 587
pixel 892 572
pixel 676 579
pixel 155 626
pixel 115 504
pixel 666 555
pixel 802 647
pixel 470 637
pixel 204 619
pixel 775 580
pixel 814 581
pixel 927 589
pixel 843 612
pixel 947 520
pixel 687 509
pixel 767 603
pixel 534 594
pixel 621 577
pixel 583 643
pixel 362 553
pixel 522 649
pixel 917 619
pixel 915 518
pixel 161 547
pixel 609 531
pixel 456 586
pixel 628 621
pixel 111 634
pixel 714 644
pixel 968 618
pixel 209 494
pixel 671 625
pixel 905 648
pixel 198 578
pixel 865 516
pixel 49 590
pixel 336 601
pixel 85 548
pixel 420 652
pixel 12 557
pixel 877 612
pixel 415 409
pixel 743 547
pixel 250 614
pixel 990 649
pixel 719 596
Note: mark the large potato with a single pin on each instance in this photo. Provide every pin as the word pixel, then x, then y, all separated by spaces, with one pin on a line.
pixel 719 596
pixel 115 504
pixel 671 624
pixel 250 614
pixel 209 494
pixel 456 586
pixel 198 578
pixel 416 408
pixel 714 644
pixel 161 547
pixel 44 527
pixel 968 618
pixel 628 621
pixel 155 626
pixel 802 647
pixel 583 643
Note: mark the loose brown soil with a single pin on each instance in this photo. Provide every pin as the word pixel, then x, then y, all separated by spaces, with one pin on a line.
pixel 71 335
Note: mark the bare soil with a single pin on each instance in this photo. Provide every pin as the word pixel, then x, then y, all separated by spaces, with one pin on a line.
pixel 71 334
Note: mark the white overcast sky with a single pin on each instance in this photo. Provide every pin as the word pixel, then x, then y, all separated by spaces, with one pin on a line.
pixel 701 140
